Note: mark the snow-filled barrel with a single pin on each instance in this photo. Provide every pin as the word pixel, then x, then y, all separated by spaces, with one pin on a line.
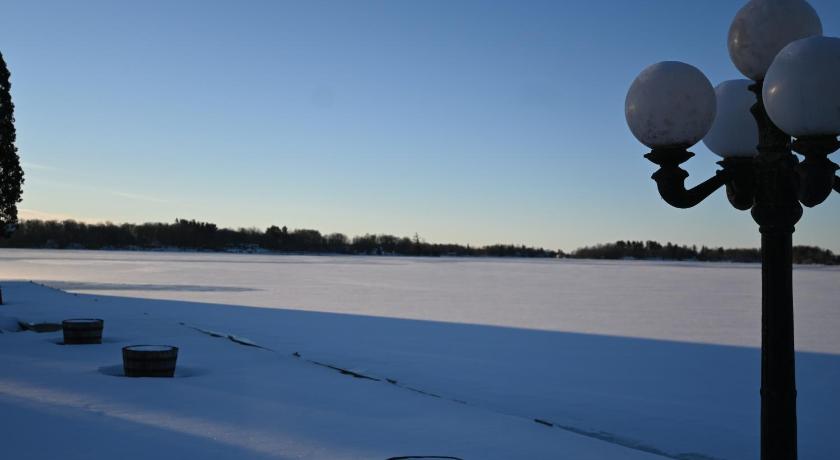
pixel 82 331
pixel 149 360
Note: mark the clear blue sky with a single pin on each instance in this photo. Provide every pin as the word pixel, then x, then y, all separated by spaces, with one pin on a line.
pixel 463 121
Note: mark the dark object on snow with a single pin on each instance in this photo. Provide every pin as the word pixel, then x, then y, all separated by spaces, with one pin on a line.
pixel 40 327
pixel 11 174
pixel 423 456
pixel 149 360
pixel 82 331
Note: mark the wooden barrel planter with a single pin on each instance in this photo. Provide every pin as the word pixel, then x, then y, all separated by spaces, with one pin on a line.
pixel 82 331
pixel 149 360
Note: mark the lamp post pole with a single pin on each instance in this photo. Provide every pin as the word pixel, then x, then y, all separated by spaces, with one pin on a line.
pixel 793 92
pixel 776 210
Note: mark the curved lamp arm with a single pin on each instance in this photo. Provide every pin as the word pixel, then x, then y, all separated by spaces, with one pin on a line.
pixel 670 179
pixel 672 187
pixel 837 184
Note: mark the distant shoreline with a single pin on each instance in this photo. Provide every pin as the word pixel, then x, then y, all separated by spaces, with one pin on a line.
pixel 194 236
pixel 334 254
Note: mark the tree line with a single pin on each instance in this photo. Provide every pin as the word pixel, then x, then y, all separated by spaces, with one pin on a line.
pixel 194 235
pixel 652 250
pixel 187 234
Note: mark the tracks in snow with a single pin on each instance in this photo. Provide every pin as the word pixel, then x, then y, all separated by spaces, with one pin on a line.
pixel 599 435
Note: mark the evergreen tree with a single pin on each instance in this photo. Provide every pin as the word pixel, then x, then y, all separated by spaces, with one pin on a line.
pixel 11 174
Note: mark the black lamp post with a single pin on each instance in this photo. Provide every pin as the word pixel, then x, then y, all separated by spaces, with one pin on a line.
pixel 793 92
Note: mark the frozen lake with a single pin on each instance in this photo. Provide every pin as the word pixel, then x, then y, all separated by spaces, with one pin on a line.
pixel 650 356
pixel 689 302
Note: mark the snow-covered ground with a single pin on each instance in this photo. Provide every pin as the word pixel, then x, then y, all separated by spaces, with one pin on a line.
pixel 624 359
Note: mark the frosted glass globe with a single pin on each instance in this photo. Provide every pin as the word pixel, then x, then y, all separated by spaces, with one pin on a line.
pixel 734 132
pixel 763 27
pixel 802 88
pixel 670 104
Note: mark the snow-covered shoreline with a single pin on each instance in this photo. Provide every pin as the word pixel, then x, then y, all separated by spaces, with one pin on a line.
pixel 229 400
